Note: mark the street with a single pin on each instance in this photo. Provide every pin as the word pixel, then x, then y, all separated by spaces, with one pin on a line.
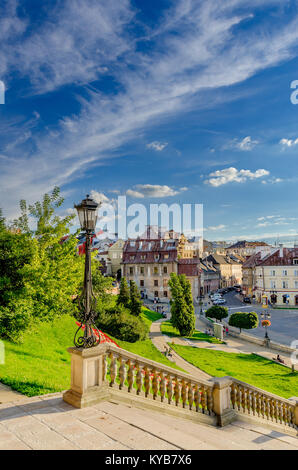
pixel 284 323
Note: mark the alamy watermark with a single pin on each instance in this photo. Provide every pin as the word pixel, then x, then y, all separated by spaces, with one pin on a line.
pixel 2 92
pixel 133 220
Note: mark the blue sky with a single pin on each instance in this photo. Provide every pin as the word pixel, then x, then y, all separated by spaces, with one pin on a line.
pixel 166 101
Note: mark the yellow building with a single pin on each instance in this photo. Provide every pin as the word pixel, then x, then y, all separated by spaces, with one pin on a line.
pixel 115 253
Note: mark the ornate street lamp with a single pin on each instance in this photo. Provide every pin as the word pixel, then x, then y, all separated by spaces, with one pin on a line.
pixel 266 322
pixel 87 212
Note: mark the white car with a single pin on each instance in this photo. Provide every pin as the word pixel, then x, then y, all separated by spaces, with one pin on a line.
pixel 216 297
pixel 219 301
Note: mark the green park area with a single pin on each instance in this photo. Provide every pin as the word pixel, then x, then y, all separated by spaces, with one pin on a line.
pixel 249 368
pixel 168 329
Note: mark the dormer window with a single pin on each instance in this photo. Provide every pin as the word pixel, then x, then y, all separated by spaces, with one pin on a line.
pixel 295 261
pixel 132 244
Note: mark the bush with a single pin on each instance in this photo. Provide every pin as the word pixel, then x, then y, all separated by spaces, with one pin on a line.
pixel 217 312
pixel 15 319
pixel 244 320
pixel 119 323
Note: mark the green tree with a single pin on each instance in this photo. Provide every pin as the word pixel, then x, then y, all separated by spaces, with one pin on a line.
pixel 182 311
pixel 245 320
pixel 135 304
pixel 217 312
pixel 2 221
pixel 124 294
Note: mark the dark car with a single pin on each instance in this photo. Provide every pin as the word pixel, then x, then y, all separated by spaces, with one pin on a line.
pixel 247 300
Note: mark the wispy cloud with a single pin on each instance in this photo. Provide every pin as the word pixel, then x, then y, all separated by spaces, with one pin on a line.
pixel 157 146
pixel 288 142
pixel 231 175
pixel 246 144
pixel 195 49
pixel 216 228
pixel 152 191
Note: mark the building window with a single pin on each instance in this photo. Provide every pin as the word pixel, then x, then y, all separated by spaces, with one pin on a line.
pixel 165 293
pixel 296 273
pixel 143 257
pixel 285 272
pixel 156 293
pixel 166 256
pixel 142 270
pixel 295 261
pixel 165 270
pixel 132 258
pixel 155 271
pixel 130 270
pixel 142 283
pixel 296 284
pixel 155 283
pixel 272 273
pixel 284 285
pixel 273 284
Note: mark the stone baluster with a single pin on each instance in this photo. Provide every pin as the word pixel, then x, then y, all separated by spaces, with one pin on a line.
pixel 258 408
pixel 197 397
pixel 162 386
pixel 139 378
pixel 248 400
pixel 243 399
pixel 183 393
pixel 190 394
pixel 154 383
pixel 121 372
pixel 177 391
pixel 209 401
pixel 276 411
pixel 233 395
pixel 147 381
pixel 203 398
pixel 284 412
pixel 238 397
pixel 271 409
pixel 267 407
pixel 113 369
pixel 263 406
pixel 130 375
pixel 104 367
pixel 169 388
pixel 254 402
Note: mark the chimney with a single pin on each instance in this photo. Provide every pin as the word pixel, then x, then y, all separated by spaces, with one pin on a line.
pixel 281 250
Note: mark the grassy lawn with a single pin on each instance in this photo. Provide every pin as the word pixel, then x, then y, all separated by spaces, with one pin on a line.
pixel 41 364
pixel 249 368
pixel 168 329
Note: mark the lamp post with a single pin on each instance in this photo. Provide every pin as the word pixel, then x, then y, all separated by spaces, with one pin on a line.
pixel 87 212
pixel 265 318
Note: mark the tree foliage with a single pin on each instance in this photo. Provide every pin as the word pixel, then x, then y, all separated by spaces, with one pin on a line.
pixel 124 294
pixel 182 309
pixel 217 312
pixel 135 304
pixel 39 275
pixel 118 322
pixel 244 320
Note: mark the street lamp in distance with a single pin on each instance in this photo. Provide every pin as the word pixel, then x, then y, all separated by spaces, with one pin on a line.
pixel 87 212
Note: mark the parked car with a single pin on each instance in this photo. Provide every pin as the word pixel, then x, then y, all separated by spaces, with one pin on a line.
pixel 219 301
pixel 216 297
pixel 247 300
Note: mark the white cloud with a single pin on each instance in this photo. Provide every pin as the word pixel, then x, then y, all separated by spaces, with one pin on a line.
pixel 288 142
pixel 99 197
pixel 216 227
pixel 151 191
pixel 157 146
pixel 230 175
pixel 246 144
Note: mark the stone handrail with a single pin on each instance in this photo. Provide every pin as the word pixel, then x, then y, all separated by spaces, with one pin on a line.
pixel 254 401
pixel 101 372
pixel 155 380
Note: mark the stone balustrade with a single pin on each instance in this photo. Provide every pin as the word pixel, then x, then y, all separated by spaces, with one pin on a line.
pixel 253 401
pixel 106 372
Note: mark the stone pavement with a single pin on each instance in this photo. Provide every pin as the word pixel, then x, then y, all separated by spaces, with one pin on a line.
pixel 7 394
pixel 47 422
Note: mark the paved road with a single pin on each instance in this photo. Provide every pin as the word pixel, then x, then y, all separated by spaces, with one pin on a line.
pixel 284 323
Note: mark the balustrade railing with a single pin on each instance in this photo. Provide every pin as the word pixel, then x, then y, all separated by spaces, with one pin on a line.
pixel 252 401
pixel 125 372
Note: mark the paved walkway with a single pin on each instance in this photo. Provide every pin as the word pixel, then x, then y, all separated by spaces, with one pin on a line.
pixel 7 394
pixel 47 423
pixel 160 342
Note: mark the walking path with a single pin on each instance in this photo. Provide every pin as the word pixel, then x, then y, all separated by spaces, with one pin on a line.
pixel 7 394
pixel 233 345
pixel 48 423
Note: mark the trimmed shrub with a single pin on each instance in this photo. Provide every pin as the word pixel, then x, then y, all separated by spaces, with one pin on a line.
pixel 118 322
pixel 217 312
pixel 245 320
